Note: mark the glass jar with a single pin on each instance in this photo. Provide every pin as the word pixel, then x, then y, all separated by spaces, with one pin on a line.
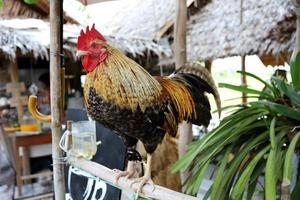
pixel 28 123
pixel 84 139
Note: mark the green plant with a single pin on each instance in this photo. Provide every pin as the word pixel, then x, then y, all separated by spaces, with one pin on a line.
pixel 257 139
pixel 30 1
pixel 26 1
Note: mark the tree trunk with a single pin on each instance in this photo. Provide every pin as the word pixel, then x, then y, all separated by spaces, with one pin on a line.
pixel 185 129
pixel 55 91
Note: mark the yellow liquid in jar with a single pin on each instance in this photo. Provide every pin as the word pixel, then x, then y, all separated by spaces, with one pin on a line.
pixel 84 145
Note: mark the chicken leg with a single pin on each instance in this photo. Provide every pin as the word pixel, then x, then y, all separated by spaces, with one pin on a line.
pixel 146 178
pixel 130 171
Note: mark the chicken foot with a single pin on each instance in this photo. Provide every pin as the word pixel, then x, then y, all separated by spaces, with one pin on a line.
pixel 130 171
pixel 146 179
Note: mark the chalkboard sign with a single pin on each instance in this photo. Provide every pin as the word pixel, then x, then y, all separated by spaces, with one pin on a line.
pixel 110 153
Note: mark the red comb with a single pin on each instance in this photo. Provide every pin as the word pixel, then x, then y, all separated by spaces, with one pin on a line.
pixel 89 35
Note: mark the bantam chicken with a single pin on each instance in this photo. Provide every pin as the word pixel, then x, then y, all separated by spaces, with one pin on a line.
pixel 124 97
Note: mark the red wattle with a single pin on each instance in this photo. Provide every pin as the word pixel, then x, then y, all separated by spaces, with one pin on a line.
pixel 90 63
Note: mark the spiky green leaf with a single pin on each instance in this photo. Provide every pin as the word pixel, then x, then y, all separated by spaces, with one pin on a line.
pixel 288 91
pixel 270 176
pixel 280 109
pixel 267 85
pixel 295 72
pixel 243 179
pixel 245 89
pixel 215 192
pixel 287 169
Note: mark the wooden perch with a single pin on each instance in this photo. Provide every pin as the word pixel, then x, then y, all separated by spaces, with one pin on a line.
pixel 32 101
pixel 109 176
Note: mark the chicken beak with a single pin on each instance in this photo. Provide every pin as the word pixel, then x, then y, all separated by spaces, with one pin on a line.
pixel 80 53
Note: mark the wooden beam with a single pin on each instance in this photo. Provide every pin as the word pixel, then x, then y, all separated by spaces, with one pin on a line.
pixel 184 129
pixel 170 23
pixel 37 175
pixel 42 196
pixel 207 65
pixel 16 88
pixel 13 70
pixel 109 176
pixel 55 91
pixel 180 33
pixel 164 29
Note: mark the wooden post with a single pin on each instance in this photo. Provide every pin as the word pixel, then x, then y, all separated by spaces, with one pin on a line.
pixel 243 78
pixel 14 77
pixel 17 100
pixel 13 70
pixel 185 129
pixel 180 33
pixel 207 65
pixel 55 91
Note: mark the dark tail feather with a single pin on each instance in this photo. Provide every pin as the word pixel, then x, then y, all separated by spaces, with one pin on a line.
pixel 199 76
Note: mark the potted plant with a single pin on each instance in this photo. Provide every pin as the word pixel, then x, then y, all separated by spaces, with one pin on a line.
pixel 256 140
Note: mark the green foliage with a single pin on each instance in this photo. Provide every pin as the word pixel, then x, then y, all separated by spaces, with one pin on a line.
pixel 295 72
pixel 30 1
pixel 270 175
pixel 1 4
pixel 257 139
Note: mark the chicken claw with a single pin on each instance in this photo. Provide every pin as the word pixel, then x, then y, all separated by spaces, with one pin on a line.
pixel 146 179
pixel 142 181
pixel 128 173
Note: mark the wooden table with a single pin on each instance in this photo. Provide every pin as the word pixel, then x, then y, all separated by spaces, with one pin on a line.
pixel 25 141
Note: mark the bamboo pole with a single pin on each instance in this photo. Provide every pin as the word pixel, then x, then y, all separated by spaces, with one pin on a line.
pixel 109 176
pixel 243 78
pixel 180 33
pixel 55 91
pixel 185 129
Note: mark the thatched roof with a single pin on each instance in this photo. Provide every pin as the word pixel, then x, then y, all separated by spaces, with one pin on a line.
pixel 19 9
pixel 215 31
pixel 142 19
pixel 268 27
pixel 33 36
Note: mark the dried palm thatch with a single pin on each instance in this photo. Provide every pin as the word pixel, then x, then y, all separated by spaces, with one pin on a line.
pixel 38 10
pixel 16 8
pixel 32 36
pixel 144 19
pixel 267 27
pixel 11 41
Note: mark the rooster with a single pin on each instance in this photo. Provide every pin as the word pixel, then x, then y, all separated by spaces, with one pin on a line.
pixel 124 97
